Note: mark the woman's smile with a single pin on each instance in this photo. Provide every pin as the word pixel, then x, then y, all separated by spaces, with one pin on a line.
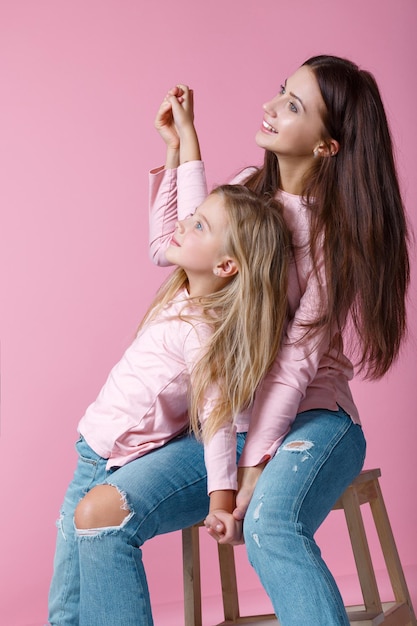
pixel 268 127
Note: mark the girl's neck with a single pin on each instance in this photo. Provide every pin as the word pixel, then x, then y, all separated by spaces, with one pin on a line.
pixel 201 285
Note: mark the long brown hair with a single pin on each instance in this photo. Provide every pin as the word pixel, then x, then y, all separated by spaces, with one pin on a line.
pixel 247 315
pixel 357 216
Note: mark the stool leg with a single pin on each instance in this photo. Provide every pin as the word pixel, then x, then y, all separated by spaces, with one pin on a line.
pixel 229 584
pixel 191 573
pixel 361 552
pixel 389 550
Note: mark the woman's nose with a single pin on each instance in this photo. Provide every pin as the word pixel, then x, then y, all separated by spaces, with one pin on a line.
pixel 270 108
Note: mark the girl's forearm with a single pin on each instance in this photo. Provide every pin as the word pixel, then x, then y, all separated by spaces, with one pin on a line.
pixel 172 159
pixel 189 145
pixel 223 499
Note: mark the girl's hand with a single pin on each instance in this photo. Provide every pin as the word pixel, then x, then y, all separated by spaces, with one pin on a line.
pixel 224 528
pixel 175 123
pixel 182 102
pixel 164 121
pixel 181 99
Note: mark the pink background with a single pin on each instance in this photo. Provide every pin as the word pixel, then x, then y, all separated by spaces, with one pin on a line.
pixel 80 84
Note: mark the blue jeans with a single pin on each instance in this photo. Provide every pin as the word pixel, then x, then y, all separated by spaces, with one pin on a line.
pixel 99 580
pixel 318 459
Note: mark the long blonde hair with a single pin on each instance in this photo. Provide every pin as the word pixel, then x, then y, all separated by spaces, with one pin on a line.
pixel 247 315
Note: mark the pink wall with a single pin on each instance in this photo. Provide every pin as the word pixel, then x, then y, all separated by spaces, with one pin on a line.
pixel 80 84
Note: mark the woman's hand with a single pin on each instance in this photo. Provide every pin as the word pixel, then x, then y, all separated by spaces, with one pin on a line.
pixel 247 479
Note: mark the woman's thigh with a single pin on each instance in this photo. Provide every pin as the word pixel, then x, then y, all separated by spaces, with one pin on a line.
pixel 318 459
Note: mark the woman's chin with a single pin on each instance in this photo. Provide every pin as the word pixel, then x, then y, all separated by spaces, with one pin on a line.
pixel 263 140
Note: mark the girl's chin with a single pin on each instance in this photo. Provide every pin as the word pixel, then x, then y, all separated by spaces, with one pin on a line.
pixel 169 256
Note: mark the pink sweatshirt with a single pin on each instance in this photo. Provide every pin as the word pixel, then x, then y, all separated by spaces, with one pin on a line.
pixel 306 375
pixel 144 402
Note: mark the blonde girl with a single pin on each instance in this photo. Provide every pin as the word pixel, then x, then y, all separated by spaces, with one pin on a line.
pixel 199 355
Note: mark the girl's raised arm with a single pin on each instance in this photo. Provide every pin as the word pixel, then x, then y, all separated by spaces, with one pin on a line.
pixel 175 192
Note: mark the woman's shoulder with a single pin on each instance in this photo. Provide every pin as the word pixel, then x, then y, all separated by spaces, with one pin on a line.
pixel 241 176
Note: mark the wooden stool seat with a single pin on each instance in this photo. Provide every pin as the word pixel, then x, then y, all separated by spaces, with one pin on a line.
pixel 364 489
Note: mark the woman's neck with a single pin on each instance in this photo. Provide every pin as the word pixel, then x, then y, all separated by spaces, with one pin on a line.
pixel 292 173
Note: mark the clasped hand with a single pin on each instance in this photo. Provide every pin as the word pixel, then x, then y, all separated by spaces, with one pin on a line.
pixel 226 527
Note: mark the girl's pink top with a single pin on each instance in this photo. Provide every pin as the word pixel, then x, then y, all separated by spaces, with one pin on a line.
pixel 144 401
pixel 309 374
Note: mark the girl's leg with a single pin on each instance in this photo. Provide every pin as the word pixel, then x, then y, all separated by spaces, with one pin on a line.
pixel 163 491
pixel 318 459
pixel 64 590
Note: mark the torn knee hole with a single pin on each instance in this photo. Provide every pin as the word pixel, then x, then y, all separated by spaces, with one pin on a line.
pixel 102 507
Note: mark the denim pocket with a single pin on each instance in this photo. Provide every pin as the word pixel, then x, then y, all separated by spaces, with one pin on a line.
pixel 91 467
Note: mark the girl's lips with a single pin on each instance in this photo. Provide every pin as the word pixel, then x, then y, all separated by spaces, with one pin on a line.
pixel 174 242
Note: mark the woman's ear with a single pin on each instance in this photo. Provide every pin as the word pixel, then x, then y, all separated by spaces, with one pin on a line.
pixel 333 147
pixel 327 148
pixel 226 268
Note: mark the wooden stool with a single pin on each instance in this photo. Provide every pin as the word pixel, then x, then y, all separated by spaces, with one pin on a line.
pixel 364 489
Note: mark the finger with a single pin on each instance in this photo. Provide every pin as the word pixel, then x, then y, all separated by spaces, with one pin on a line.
pixel 174 91
pixel 189 103
pixel 184 89
pixel 172 96
pixel 215 524
pixel 214 535
pixel 177 109
pixel 233 538
pixel 164 107
pixel 240 512
pixel 164 113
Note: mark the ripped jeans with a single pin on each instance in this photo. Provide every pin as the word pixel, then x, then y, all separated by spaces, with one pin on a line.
pixel 100 580
pixel 318 459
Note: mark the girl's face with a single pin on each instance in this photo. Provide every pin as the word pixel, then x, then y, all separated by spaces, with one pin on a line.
pixel 292 125
pixel 198 243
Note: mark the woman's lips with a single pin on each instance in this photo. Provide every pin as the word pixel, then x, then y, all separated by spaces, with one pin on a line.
pixel 268 127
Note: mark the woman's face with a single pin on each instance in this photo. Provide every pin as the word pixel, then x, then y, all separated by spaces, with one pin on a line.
pixel 293 124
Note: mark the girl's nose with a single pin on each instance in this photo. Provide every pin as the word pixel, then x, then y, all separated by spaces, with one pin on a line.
pixel 180 226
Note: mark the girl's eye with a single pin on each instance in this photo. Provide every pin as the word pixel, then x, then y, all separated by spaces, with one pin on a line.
pixel 198 226
pixel 282 90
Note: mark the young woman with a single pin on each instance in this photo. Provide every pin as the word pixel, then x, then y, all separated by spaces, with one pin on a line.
pixel 329 160
pixel 197 358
